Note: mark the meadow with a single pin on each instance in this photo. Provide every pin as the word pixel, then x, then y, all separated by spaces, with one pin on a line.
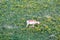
pixel 15 13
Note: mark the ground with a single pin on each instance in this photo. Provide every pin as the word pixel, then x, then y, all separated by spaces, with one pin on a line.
pixel 14 13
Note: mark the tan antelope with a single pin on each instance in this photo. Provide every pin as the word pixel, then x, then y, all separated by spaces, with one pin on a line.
pixel 32 22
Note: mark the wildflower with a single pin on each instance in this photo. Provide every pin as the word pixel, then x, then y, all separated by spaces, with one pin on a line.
pixel 58 18
pixel 37 28
pixel 25 0
pixel 46 26
pixel 49 19
pixel 12 8
pixel 49 29
pixel 59 25
pixel 29 11
pixel 48 0
pixel 2 15
pixel 21 6
pixel 47 16
pixel 23 18
pixel 46 5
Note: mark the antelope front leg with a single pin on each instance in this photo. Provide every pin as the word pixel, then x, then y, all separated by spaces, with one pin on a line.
pixel 33 25
pixel 27 25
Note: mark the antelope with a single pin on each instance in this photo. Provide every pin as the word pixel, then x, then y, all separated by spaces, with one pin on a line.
pixel 32 22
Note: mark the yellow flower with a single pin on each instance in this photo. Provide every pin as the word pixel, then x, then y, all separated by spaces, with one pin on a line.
pixel 12 8
pixel 59 25
pixel 49 29
pixel 37 28
pixel 49 19
pixel 48 0
pixel 23 18
pixel 46 5
pixel 46 26
pixel 58 18
pixel 22 6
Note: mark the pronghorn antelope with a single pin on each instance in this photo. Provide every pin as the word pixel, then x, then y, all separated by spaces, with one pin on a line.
pixel 32 22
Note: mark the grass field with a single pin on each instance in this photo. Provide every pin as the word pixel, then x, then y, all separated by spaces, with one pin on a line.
pixel 14 13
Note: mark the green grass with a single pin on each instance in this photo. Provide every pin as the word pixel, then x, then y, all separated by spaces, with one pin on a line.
pixel 14 13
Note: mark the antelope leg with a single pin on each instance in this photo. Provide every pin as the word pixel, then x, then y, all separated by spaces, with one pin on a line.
pixel 27 25
pixel 33 25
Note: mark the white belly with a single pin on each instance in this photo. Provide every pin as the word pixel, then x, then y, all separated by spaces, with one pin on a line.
pixel 31 23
